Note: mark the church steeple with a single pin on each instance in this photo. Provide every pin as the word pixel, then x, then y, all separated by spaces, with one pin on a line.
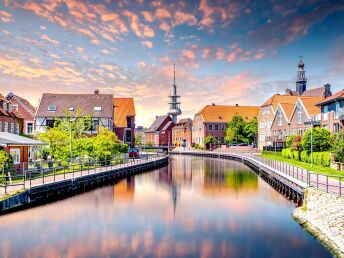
pixel 174 104
pixel 301 81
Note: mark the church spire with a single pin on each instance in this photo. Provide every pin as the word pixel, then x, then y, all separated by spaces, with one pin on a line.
pixel 174 104
pixel 301 81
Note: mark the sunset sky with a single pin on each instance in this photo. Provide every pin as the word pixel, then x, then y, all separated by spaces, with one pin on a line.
pixel 226 52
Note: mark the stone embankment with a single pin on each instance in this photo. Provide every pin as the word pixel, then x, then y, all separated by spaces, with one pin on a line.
pixel 322 215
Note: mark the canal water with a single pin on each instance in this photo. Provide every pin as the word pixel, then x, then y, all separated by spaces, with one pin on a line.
pixel 194 207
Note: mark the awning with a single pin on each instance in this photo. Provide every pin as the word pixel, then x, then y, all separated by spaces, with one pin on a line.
pixel 10 139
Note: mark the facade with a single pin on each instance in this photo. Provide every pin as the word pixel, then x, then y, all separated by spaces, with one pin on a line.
pixel 10 121
pixel 140 132
pixel 332 115
pixel 266 116
pixel 124 122
pixel 174 103
pixel 25 110
pixel 55 106
pixel 182 131
pixel 160 132
pixel 212 120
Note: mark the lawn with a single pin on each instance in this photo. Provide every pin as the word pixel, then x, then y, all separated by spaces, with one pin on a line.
pixel 316 168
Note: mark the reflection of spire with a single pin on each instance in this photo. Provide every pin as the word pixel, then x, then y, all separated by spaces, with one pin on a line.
pixel 174 199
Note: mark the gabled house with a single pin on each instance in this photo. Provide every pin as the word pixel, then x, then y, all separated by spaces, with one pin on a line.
pixel 160 132
pixel 305 115
pixel 267 114
pixel 332 112
pixel 53 106
pixel 281 124
pixel 24 109
pixel 10 121
pixel 182 131
pixel 213 119
pixel 124 122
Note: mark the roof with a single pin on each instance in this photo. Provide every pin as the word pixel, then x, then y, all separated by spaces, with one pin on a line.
pixel 183 123
pixel 310 105
pixel 86 102
pixel 25 103
pixel 10 139
pixel 277 98
pixel 288 109
pixel 158 122
pixel 316 92
pixel 167 125
pixel 123 107
pixel 338 95
pixel 224 114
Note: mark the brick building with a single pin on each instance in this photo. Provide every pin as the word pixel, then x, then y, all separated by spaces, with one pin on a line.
pixel 212 120
pixel 182 130
pixel 160 132
pixel 124 122
pixel 25 110
pixel 10 121
pixel 332 112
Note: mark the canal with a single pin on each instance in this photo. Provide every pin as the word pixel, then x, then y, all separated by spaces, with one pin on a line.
pixel 194 207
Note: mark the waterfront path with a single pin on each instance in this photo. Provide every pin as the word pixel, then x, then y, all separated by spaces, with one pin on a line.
pixel 61 175
pixel 302 177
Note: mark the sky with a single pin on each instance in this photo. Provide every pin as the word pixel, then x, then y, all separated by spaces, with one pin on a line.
pixel 226 52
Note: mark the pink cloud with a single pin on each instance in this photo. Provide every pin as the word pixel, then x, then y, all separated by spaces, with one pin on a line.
pixel 148 16
pixel 147 43
pixel 162 13
pixel 182 17
pixel 6 17
pixel 141 30
pixel 188 54
pixel 220 53
pixel 47 38
pixel 205 52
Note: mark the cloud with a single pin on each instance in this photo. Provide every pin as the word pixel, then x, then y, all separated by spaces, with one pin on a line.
pixel 47 38
pixel 162 13
pixel 182 17
pixel 189 54
pixel 148 16
pixel 141 30
pixel 6 17
pixel 80 49
pixel 147 43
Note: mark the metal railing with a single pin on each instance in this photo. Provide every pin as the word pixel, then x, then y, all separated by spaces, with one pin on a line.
pixel 44 172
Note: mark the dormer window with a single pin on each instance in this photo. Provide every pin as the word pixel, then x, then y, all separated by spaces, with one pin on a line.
pixel 71 109
pixel 97 108
pixel 52 108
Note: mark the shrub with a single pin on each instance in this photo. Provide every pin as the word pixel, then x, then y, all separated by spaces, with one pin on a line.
pixel 338 148
pixel 326 159
pixel 322 140
pixel 287 153
pixel 321 158
pixel 296 155
pixel 6 161
pixel 305 157
pixel 290 140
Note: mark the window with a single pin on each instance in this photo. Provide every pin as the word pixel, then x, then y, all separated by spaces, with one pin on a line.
pixel 15 107
pixel 0 126
pixel 223 127
pixel 15 153
pixel 217 139
pixel 95 125
pixel 299 113
pixel 325 111
pixel 29 127
pixel 17 128
pixel 97 108
pixel 299 132
pixel 293 131
pixel 210 127
pixel 216 127
pixel 12 127
pixel 52 108
pixel 279 117
pixel 274 132
pixel 222 139
pixel 71 109
pixel 129 122
pixel 6 127
pixel 50 123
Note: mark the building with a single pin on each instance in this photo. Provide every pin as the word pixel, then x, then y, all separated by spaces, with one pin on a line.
pixel 160 132
pixel 182 131
pixel 212 120
pixel 124 122
pixel 174 104
pixel 266 116
pixel 99 107
pixel 332 115
pixel 10 121
pixel 140 133
pixel 25 110
pixel 19 147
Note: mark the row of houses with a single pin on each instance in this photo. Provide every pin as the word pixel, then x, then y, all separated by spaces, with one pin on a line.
pixel 292 112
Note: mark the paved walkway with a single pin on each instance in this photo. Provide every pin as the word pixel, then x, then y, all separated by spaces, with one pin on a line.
pixel 70 175
pixel 327 183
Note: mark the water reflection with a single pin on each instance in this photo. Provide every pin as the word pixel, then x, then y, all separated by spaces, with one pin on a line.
pixel 192 208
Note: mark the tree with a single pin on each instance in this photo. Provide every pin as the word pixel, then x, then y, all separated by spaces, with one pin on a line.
pixel 290 140
pixel 6 161
pixel 322 140
pixel 210 139
pixel 338 148
pixel 296 144
pixel 138 139
pixel 240 131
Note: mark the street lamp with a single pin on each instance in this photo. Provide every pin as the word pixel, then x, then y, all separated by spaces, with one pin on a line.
pixel 71 140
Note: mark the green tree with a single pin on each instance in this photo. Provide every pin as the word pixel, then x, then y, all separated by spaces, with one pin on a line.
pixel 240 131
pixel 338 148
pixel 290 140
pixel 138 139
pixel 322 140
pixel 6 161
pixel 210 139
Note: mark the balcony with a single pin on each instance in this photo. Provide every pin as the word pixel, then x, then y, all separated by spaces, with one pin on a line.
pixel 314 120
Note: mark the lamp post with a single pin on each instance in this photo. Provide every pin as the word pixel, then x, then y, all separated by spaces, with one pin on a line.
pixel 71 140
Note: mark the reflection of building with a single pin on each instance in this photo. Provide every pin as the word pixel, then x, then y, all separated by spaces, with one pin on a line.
pixel 124 190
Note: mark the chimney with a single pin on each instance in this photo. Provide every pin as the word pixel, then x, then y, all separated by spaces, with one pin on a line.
pixel 213 104
pixel 237 105
pixel 288 91
pixel 96 91
pixel 327 92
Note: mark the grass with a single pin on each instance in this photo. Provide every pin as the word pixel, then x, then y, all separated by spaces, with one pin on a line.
pixel 316 168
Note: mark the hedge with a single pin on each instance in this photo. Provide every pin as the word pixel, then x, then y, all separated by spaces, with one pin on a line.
pixel 319 158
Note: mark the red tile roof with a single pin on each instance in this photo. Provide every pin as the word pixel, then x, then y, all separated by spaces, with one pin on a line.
pixel 123 107
pixel 338 95
pixel 224 114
